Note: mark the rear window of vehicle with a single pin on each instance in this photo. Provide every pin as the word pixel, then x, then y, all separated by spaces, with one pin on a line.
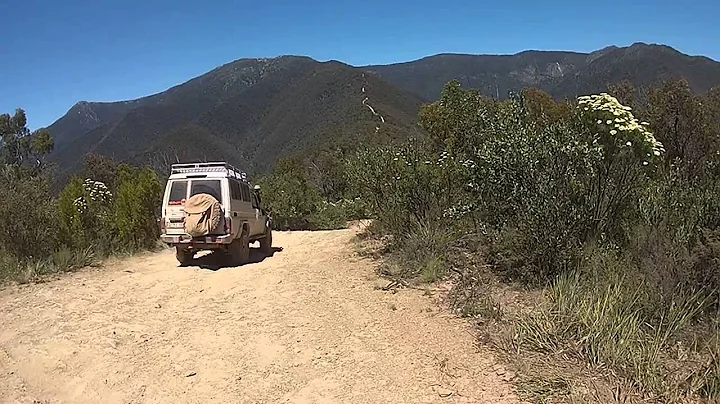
pixel 178 191
pixel 210 187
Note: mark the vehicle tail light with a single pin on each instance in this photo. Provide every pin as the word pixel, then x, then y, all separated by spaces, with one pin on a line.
pixel 162 225
pixel 228 225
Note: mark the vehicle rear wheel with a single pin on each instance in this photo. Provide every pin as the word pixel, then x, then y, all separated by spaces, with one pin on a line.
pixel 266 242
pixel 239 250
pixel 183 256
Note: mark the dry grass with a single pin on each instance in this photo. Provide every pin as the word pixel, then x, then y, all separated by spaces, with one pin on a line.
pixel 65 260
pixel 598 339
pixel 580 345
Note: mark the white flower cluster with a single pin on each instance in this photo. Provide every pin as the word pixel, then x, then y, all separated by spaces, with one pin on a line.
pixel 400 156
pixel 97 191
pixel 407 158
pixel 80 204
pixel 443 158
pixel 456 212
pixel 94 192
pixel 616 119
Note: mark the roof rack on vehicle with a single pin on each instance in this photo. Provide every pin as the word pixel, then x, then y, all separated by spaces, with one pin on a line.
pixel 216 166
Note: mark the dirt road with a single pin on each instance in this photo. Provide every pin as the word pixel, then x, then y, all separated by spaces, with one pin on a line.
pixel 303 326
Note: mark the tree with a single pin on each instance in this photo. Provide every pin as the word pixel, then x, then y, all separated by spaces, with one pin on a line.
pixel 20 147
pixel 680 119
pixel 327 172
pixel 290 196
pixel 26 208
pixel 542 108
pixel 101 168
pixel 625 93
pixel 456 120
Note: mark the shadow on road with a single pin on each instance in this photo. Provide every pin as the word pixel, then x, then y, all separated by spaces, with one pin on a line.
pixel 218 260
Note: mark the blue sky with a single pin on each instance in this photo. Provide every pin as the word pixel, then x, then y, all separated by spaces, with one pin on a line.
pixel 55 53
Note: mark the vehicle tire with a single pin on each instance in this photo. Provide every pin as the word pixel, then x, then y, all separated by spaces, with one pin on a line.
pixel 183 256
pixel 239 249
pixel 266 242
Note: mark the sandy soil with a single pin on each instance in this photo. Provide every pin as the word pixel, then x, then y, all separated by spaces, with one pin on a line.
pixel 306 325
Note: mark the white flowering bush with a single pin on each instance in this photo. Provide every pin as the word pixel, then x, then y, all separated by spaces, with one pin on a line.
pixel 93 215
pixel 85 209
pixel 80 205
pixel 96 202
pixel 629 153
pixel 616 129
pixel 96 195
pixel 545 188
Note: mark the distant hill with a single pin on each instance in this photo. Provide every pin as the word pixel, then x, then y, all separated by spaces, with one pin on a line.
pixel 254 111
pixel 251 112
pixel 562 74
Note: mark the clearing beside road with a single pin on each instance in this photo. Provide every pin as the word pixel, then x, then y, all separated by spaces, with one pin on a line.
pixel 303 326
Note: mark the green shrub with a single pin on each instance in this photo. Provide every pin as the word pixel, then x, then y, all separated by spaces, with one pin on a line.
pixel 137 203
pixel 328 216
pixel 545 188
pixel 297 203
pixel 354 209
pixel 406 188
pixel 111 220
pixel 27 213
pixel 422 253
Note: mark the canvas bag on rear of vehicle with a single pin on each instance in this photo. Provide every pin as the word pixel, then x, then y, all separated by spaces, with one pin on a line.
pixel 203 214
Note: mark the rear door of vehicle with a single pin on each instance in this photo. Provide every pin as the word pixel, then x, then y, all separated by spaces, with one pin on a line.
pixel 174 213
pixel 213 187
pixel 178 191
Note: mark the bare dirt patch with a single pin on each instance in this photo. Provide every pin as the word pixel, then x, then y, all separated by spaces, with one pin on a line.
pixel 306 325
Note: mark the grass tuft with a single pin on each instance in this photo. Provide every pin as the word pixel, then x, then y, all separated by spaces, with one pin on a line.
pixel 607 327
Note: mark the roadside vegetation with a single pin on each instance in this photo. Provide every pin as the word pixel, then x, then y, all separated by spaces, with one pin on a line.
pixel 312 192
pixel 582 236
pixel 110 209
pixel 607 209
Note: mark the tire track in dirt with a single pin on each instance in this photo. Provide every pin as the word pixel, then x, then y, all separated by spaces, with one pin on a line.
pixel 302 326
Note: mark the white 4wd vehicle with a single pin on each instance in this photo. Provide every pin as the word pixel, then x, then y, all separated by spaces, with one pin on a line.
pixel 213 206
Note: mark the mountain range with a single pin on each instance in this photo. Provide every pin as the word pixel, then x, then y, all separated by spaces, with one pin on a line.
pixel 254 111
